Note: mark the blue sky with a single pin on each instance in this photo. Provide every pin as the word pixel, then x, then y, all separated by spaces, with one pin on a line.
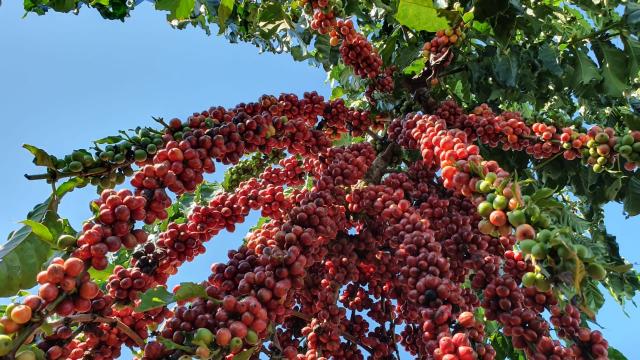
pixel 67 80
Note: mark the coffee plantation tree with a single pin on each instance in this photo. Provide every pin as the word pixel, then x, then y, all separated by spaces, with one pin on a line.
pixel 446 201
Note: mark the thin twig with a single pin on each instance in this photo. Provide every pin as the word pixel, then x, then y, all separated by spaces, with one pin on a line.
pixel 27 332
pixel 544 163
pixel 160 121
pixel 453 71
pixel 88 318
pixel 55 175
pixel 81 318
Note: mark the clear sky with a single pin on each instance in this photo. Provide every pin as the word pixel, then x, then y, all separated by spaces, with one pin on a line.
pixel 67 80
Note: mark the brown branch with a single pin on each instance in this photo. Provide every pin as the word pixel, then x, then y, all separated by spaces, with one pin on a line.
pixel 80 318
pixel 344 334
pixel 27 332
pixel 160 121
pixel 453 71
pixel 89 318
pixel 55 175
pixel 373 135
pixel 381 163
pixel 419 90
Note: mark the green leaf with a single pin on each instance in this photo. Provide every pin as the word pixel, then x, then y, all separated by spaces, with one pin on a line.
pixel 190 290
pixel 542 193
pixel 614 354
pixel 246 354
pixel 505 68
pixel 224 11
pixel 40 355
pixel 415 67
pixel 101 276
pixel 46 328
pixel 632 198
pixel 178 9
pixel 482 27
pixel 468 16
pixel 23 255
pixel 69 186
pixel 420 15
pixel 585 69
pixel 621 268
pixel 206 191
pixel 170 345
pixel 614 69
pixel 612 190
pixel 63 5
pixel 344 140
pixel 504 348
pixel 39 229
pixel 40 157
pixel 632 16
pixel 110 140
pixel 632 50
pixel 57 226
pixel 300 53
pixel 154 298
pixel 592 297
pixel 337 92
pixel 549 59
pixel 21 259
pixel 261 221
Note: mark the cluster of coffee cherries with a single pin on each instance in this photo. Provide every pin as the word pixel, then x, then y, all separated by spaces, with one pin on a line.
pixel 355 49
pixel 65 288
pixel 233 323
pixel 68 277
pixel 586 342
pixel 126 284
pixel 503 208
pixel 112 228
pixel 416 240
pixel 438 52
pixel 442 41
pixel 573 143
pixel 225 135
pixel 289 172
pixel 107 167
pixel 248 168
pixel 600 148
pixel 341 119
pixel 507 130
pixel 323 22
pixel 558 245
pixel 17 315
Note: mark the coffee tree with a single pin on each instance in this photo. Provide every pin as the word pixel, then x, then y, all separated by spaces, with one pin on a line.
pixel 446 201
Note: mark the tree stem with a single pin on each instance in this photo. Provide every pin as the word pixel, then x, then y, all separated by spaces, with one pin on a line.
pixel 381 163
